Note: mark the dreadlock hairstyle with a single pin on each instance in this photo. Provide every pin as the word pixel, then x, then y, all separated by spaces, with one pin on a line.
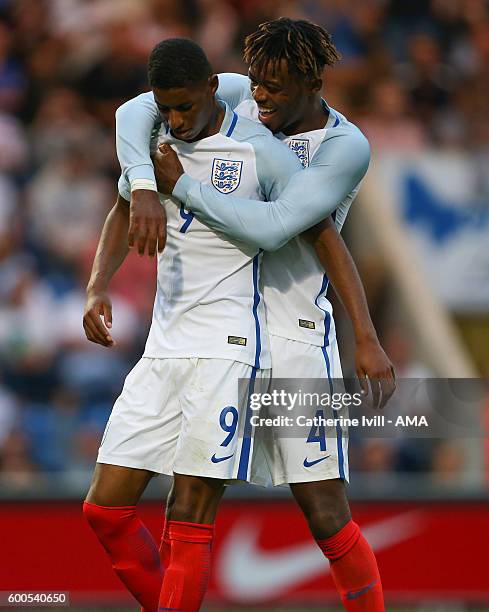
pixel 306 47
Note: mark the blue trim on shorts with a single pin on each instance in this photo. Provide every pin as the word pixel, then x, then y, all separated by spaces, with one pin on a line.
pixel 244 457
pixel 339 432
pixel 327 327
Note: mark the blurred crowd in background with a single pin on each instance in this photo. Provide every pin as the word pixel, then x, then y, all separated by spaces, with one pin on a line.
pixel 413 74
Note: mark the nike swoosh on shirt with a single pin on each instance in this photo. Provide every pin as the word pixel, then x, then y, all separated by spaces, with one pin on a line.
pixel 215 459
pixel 308 463
pixel 248 573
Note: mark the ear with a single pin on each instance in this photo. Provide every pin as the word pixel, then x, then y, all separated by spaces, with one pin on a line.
pixel 316 85
pixel 213 83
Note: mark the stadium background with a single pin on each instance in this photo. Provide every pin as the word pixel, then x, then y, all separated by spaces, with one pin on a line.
pixel 414 76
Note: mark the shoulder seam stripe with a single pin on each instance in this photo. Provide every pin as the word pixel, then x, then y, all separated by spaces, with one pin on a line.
pixel 233 124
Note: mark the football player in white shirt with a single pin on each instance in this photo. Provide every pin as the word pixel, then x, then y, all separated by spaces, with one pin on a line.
pixel 181 411
pixel 286 61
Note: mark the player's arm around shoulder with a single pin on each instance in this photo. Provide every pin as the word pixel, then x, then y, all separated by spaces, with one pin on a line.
pixel 136 121
pixel 138 118
pixel 275 164
pixel 335 171
pixel 233 88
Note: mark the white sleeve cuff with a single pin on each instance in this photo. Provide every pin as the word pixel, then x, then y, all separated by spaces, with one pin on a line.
pixel 143 184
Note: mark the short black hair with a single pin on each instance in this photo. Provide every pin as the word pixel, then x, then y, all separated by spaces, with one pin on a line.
pixel 306 47
pixel 177 62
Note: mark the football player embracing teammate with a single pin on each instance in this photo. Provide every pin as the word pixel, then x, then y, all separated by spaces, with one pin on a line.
pixel 286 61
pixel 179 410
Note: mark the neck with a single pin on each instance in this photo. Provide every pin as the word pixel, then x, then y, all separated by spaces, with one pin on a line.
pixel 215 121
pixel 314 117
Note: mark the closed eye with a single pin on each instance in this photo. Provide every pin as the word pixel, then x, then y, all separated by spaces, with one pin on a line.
pixel 183 108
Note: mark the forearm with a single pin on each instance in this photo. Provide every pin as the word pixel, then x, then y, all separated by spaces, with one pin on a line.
pixel 254 222
pixel 310 196
pixel 343 274
pixel 112 247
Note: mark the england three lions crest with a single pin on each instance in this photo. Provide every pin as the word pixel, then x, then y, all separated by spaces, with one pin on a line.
pixel 301 149
pixel 226 174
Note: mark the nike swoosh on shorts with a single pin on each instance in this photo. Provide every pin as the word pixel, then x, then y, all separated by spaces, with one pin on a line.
pixel 215 459
pixel 308 464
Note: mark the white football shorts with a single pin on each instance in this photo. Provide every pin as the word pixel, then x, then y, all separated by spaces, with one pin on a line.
pixel 307 453
pixel 184 416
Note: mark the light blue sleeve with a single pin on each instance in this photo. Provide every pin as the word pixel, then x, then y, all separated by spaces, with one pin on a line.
pixel 134 124
pixel 275 164
pixel 137 118
pixel 309 197
pixel 124 188
pixel 233 88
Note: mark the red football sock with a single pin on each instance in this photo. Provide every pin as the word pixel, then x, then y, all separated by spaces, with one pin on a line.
pixel 165 550
pixel 131 549
pixel 187 575
pixel 354 569
pixel 165 546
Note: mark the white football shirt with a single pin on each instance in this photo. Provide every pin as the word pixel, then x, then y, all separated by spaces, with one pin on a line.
pixel 208 302
pixel 336 158
pixel 294 281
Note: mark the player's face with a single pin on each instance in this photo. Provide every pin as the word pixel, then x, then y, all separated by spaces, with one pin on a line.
pixel 188 110
pixel 283 98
